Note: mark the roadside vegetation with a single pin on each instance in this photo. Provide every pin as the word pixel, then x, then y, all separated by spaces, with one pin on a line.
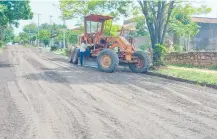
pixel 61 52
pixel 194 74
pixel 214 67
pixel 10 13
pixel 1 47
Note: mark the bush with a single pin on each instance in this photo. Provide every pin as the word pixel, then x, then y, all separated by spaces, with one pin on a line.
pixel 214 67
pixel 178 48
pixel 66 52
pixel 159 53
pixel 53 48
pixel 144 47
pixel 1 44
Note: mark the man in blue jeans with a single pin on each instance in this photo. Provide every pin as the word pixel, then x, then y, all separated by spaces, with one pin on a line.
pixel 82 51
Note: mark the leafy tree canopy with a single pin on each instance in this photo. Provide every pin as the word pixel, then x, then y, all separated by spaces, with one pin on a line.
pixel 111 29
pixel 8 35
pixel 76 9
pixel 181 19
pixel 44 36
pixel 12 11
pixel 23 37
pixel 72 36
pixel 31 28
pixel 160 14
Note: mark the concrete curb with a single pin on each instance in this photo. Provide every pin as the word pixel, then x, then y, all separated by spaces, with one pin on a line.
pixel 181 80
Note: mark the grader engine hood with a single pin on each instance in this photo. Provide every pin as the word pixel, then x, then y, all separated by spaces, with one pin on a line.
pixel 122 43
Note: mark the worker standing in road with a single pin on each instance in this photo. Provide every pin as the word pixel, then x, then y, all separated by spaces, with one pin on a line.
pixel 82 51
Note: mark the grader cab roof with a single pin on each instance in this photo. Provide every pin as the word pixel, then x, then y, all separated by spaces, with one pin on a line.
pixel 97 18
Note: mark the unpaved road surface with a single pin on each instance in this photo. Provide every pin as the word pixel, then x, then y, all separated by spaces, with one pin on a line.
pixel 44 97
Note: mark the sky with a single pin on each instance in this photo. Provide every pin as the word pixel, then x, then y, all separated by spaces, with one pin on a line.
pixel 47 9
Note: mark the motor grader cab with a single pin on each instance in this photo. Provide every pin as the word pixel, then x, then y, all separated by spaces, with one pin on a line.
pixel 108 51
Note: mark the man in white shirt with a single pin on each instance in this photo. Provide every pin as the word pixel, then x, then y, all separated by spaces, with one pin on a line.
pixel 82 51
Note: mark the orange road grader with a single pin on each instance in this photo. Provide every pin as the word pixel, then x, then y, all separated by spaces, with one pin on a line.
pixel 108 51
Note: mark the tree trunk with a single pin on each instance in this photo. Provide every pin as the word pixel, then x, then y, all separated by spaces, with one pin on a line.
pixel 157 19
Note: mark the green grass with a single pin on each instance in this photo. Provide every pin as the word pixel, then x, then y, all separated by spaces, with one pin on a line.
pixel 25 45
pixel 193 74
pixel 1 49
pixel 60 52
pixel 214 67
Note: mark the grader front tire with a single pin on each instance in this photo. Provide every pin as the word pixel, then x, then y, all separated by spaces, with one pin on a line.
pixel 107 60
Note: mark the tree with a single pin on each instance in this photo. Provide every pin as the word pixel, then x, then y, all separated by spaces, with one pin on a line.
pixel 16 39
pixel 44 36
pixel 111 29
pixel 31 30
pixel 45 26
pixel 3 17
pixel 8 35
pixel 23 37
pixel 181 23
pixel 159 14
pixel 57 32
pixel 72 36
pixel 15 10
pixel 75 8
pixel 11 11
pixel 141 28
pixel 46 32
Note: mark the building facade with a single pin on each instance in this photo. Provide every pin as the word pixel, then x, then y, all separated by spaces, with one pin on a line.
pixel 205 40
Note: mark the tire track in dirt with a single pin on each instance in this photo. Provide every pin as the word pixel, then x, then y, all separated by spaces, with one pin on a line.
pixel 36 106
pixel 103 115
pixel 176 94
pixel 67 101
pixel 24 112
pixel 43 76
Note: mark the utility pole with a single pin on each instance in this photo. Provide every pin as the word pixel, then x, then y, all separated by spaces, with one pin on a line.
pixel 64 23
pixel 64 33
pixel 51 19
pixel 51 43
pixel 38 29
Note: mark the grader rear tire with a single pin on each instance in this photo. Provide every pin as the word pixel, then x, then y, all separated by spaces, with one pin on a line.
pixel 107 60
pixel 71 51
pixel 142 63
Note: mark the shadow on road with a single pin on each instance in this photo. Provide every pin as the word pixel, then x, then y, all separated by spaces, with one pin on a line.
pixel 83 75
pixel 59 59
pixel 74 74
pixel 49 76
pixel 4 65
